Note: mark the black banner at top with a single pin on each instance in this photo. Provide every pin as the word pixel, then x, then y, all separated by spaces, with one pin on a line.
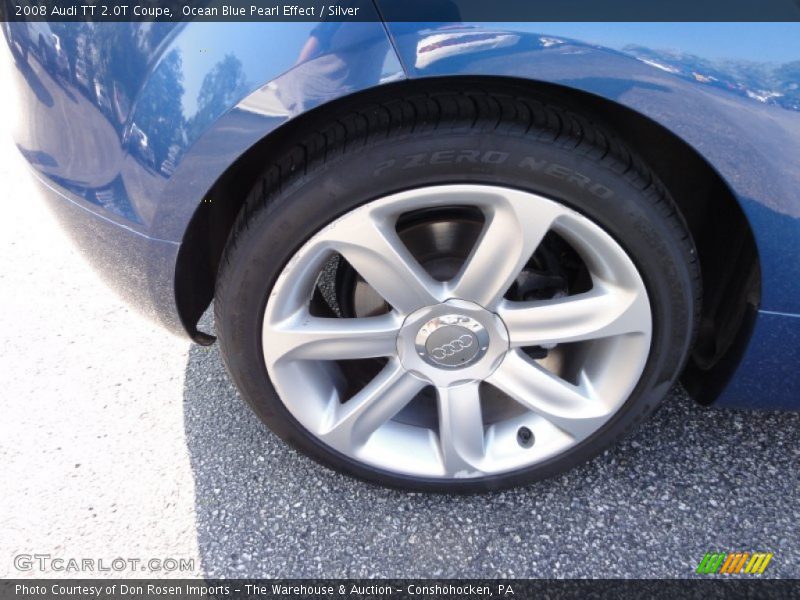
pixel 401 10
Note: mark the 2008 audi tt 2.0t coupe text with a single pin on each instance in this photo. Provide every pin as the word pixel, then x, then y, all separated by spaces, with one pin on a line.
pixel 443 256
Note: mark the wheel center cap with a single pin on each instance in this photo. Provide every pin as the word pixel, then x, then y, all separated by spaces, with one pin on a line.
pixel 451 341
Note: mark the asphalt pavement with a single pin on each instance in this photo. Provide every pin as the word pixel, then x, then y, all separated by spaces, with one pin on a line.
pixel 120 440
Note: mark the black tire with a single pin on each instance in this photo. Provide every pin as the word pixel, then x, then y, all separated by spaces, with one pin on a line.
pixel 465 134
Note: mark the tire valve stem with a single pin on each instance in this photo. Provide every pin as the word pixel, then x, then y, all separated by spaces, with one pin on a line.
pixel 525 437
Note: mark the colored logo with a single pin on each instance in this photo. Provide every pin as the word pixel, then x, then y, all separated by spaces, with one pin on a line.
pixel 733 563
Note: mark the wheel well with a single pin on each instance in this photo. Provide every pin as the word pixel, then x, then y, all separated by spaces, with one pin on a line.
pixel 730 271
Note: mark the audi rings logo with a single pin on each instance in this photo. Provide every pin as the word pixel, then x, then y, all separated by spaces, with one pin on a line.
pixel 452 347
pixel 451 341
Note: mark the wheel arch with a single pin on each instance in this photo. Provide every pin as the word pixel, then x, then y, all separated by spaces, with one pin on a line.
pixel 730 272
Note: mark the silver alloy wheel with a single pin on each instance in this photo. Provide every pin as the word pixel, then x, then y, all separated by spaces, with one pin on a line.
pixel 471 320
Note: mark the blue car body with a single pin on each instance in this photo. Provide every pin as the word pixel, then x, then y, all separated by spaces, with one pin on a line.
pixel 130 127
